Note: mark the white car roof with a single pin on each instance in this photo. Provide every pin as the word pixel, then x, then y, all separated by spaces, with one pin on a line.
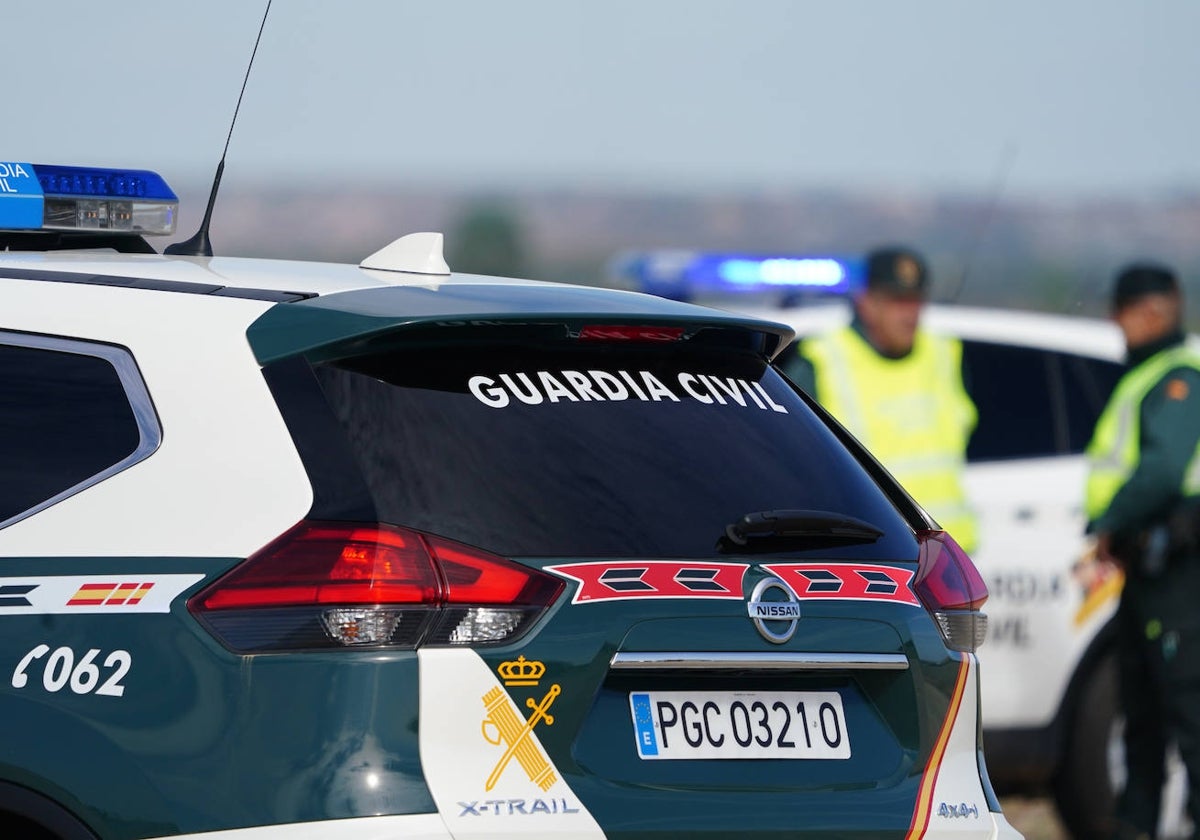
pixel 238 272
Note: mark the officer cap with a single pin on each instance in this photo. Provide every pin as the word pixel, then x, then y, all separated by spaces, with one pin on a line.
pixel 899 271
pixel 1141 279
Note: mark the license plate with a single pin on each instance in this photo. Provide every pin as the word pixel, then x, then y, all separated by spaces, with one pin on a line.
pixel 739 724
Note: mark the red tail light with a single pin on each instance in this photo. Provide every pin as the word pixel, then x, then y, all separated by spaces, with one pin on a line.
pixel 332 584
pixel 952 589
pixel 476 577
pixel 323 563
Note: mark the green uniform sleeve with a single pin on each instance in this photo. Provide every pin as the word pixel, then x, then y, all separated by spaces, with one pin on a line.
pixel 799 369
pixel 1170 429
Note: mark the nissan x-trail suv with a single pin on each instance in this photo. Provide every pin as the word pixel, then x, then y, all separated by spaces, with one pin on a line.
pixel 380 551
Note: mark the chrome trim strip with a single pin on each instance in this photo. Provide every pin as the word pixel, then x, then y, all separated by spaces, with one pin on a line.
pixel 759 661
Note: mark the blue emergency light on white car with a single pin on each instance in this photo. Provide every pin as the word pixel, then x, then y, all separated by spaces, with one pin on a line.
pixel 813 272
pixel 37 197
pixel 687 274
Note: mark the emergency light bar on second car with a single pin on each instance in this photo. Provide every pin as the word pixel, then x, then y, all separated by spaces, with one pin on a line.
pixel 37 197
pixel 686 275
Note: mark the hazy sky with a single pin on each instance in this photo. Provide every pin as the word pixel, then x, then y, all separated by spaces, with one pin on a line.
pixel 1064 96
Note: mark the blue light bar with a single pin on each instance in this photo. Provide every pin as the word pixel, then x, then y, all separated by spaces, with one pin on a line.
pixel 813 272
pixel 687 274
pixel 77 198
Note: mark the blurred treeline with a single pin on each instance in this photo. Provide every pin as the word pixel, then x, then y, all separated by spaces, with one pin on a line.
pixel 1054 255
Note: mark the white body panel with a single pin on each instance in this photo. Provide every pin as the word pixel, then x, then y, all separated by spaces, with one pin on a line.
pixel 958 808
pixel 1031 526
pixel 225 449
pixel 483 785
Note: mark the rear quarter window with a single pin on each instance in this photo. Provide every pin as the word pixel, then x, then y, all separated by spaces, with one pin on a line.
pixel 73 414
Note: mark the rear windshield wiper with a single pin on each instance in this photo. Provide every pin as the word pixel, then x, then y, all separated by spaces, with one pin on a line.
pixel 776 526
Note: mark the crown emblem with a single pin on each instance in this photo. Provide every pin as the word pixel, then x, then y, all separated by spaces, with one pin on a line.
pixel 521 671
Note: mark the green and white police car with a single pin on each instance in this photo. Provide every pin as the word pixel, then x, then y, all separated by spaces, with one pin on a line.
pixel 381 551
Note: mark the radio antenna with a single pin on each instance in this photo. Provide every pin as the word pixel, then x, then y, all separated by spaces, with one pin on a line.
pixel 199 245
pixel 1007 156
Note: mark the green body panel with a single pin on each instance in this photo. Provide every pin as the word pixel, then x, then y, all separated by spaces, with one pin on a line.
pixel 203 739
pixel 314 326
pixel 592 740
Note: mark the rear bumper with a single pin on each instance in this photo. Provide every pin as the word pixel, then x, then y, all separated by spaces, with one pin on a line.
pixel 992 827
pixel 1003 830
pixel 530 795
pixel 431 827
pixel 480 795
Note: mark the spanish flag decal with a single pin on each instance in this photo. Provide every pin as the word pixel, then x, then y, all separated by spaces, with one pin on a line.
pixel 109 594
pixel 920 820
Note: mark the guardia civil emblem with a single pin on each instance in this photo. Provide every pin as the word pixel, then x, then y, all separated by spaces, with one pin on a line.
pixel 504 726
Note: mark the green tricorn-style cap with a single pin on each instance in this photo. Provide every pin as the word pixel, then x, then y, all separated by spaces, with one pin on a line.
pixel 1140 279
pixel 898 271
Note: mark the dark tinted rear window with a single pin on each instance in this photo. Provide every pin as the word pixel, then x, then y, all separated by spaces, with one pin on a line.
pixel 594 451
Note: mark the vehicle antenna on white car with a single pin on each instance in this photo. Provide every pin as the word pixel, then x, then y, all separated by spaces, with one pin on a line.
pixel 199 244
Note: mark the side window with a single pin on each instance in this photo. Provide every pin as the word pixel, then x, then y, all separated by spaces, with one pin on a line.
pixel 1033 403
pixel 72 413
pixel 1087 384
pixel 1011 390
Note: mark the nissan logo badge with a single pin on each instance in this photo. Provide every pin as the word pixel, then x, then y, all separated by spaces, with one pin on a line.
pixel 769 614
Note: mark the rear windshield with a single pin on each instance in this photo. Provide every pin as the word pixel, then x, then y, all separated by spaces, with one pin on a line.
pixel 586 450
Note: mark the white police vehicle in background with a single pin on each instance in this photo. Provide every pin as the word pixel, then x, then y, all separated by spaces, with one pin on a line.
pixel 1039 381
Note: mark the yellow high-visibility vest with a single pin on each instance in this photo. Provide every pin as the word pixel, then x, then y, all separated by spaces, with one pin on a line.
pixel 913 414
pixel 1114 450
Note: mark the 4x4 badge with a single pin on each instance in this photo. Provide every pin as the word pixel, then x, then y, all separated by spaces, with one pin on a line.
pixel 769 614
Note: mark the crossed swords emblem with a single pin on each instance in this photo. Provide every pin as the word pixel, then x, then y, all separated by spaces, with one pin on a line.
pixel 504 725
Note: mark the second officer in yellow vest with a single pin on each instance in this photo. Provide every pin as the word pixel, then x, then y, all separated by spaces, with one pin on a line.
pixel 898 388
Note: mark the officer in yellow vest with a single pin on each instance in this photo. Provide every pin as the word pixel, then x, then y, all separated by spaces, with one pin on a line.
pixel 898 388
pixel 1143 506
